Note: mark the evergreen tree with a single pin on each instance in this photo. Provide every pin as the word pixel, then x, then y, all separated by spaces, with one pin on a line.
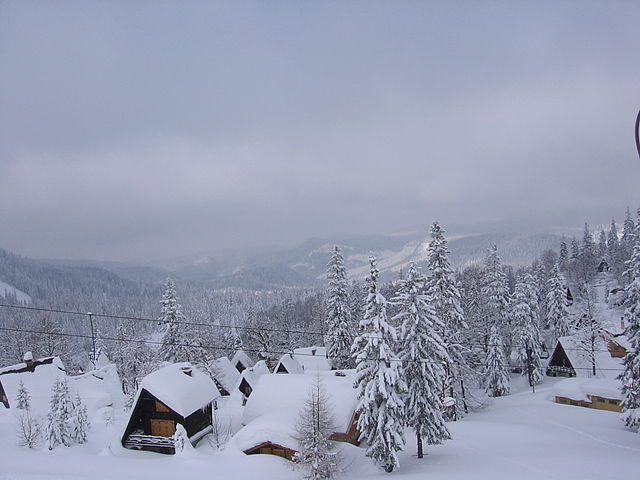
pixel 423 354
pixel 380 408
pixel 496 366
pixel 174 346
pixel 631 375
pixel 612 240
pixel 59 418
pixel 23 399
pixel 316 452
pixel 590 330
pixel 80 421
pixel 602 244
pixel 557 314
pixel 563 259
pixel 496 297
pixel 575 250
pixel 338 312
pixel 527 335
pixel 445 298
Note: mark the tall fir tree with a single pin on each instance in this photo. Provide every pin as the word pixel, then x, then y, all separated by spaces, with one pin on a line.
pixel 79 421
pixel 563 259
pixel 496 376
pixel 174 346
pixel 23 399
pixel 527 334
pixel 557 314
pixel 602 244
pixel 590 334
pixel 59 417
pixel 496 297
pixel 631 375
pixel 380 387
pixel 340 337
pixel 445 297
pixel 423 355
pixel 316 453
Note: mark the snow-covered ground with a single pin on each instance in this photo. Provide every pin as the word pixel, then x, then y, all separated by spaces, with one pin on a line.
pixel 522 436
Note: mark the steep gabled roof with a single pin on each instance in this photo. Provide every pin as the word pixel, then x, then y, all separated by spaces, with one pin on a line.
pixel 225 373
pixel 181 387
pixel 241 357
pixel 288 364
pixel 38 380
pixel 606 367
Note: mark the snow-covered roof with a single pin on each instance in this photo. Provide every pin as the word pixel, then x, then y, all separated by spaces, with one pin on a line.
pixel 39 382
pixel 312 358
pixel 243 358
pixel 582 389
pixel 225 373
pixel 606 366
pixel 181 387
pixel 276 427
pixel 290 364
pixel 99 388
pixel 283 396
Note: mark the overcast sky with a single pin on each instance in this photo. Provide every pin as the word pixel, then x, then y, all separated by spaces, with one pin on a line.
pixel 139 130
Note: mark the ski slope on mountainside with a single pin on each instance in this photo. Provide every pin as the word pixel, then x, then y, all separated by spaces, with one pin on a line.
pixel 522 436
pixel 7 291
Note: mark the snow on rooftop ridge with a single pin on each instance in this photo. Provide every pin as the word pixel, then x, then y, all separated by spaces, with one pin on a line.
pixel 289 364
pixel 312 358
pixel 243 358
pixel 225 372
pixel 181 387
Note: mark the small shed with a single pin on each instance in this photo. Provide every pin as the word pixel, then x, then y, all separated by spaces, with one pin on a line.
pixel 601 394
pixel 241 361
pixel 177 393
pixel 270 415
pixel 570 360
pixel 246 383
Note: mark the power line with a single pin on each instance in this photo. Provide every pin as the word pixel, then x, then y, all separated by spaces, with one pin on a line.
pixel 245 328
pixel 277 352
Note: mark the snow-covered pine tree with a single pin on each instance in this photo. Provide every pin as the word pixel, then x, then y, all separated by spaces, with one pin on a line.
pixel 174 346
pixel 316 454
pixel 557 314
pixel 23 399
pixel 575 250
pixel 590 334
pixel 423 354
pixel 340 337
pixel 563 259
pixel 602 243
pixel 444 296
pixel 527 334
pixel 496 366
pixel 80 424
pixel 496 297
pixel 631 375
pixel 58 428
pixel 380 408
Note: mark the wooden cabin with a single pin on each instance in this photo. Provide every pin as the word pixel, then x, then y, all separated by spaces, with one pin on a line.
pixel 570 360
pixel 38 376
pixel 176 394
pixel 600 394
pixel 241 361
pixel 270 448
pixel 288 364
pixel 271 413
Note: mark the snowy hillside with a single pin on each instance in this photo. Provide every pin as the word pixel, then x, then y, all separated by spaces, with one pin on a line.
pixel 10 292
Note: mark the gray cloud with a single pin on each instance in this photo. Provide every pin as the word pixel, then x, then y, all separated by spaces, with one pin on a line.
pixel 161 128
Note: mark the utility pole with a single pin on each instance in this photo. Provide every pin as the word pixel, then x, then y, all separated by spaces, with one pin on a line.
pixel 93 339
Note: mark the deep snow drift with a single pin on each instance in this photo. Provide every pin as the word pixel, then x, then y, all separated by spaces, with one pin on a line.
pixel 523 436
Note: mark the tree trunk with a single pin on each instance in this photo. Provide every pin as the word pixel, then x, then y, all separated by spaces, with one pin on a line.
pixel 419 440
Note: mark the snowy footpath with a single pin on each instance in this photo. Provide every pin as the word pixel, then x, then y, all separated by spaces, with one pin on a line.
pixel 522 436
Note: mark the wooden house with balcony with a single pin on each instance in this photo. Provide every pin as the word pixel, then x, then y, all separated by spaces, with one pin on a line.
pixel 176 394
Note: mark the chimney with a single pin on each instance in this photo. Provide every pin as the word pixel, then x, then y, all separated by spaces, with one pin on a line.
pixel 28 359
